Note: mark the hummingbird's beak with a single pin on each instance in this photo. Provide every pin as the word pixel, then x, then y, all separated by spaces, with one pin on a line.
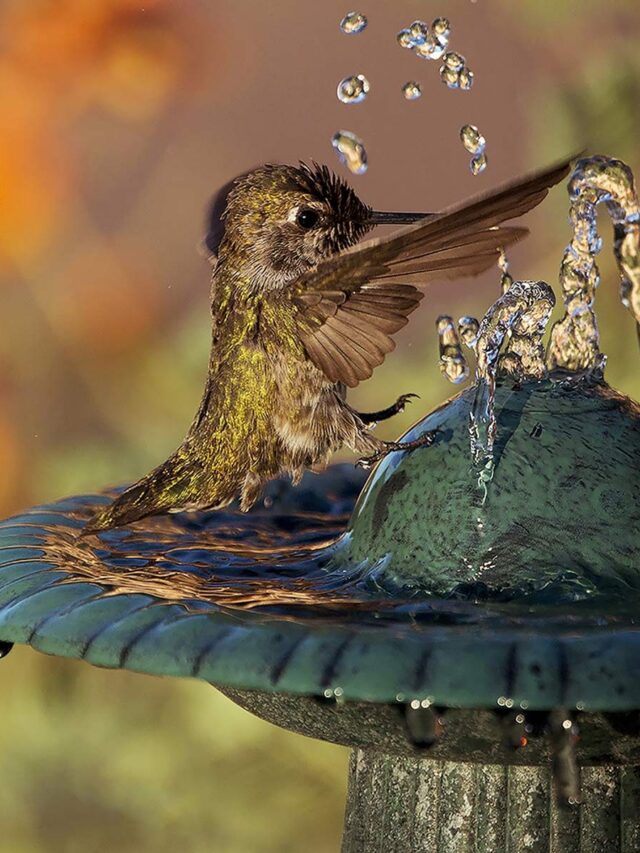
pixel 388 217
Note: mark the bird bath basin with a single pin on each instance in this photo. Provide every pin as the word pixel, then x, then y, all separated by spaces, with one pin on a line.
pixel 468 625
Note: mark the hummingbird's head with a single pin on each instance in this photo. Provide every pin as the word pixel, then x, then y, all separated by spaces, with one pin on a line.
pixel 283 220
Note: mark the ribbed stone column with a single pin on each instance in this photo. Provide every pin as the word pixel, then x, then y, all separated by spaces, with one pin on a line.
pixel 409 805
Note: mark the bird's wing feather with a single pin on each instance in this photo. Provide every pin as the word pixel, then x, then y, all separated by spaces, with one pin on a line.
pixel 349 305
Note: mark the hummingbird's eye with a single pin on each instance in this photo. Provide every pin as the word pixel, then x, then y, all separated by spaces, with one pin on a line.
pixel 307 218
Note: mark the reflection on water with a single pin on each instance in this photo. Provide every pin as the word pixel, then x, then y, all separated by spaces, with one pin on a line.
pixel 278 558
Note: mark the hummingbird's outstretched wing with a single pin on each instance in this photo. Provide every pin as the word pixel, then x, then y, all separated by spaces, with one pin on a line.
pixel 350 305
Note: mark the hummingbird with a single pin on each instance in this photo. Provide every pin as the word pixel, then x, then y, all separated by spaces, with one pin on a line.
pixel 300 312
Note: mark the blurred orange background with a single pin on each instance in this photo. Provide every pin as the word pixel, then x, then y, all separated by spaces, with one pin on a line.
pixel 119 120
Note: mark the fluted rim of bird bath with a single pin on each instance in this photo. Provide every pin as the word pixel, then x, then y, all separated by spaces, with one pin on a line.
pixel 590 663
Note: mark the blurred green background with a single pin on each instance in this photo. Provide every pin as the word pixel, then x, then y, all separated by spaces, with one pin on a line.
pixel 119 119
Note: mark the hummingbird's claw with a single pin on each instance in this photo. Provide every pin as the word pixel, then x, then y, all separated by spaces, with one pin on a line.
pixel 372 418
pixel 425 440
pixel 402 401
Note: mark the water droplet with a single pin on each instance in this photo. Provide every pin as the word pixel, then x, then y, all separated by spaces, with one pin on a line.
pixel 450 78
pixel 419 32
pixel 453 364
pixel 472 139
pixel 353 23
pixel 351 151
pixel 353 90
pixel 431 49
pixel 468 331
pixel 454 61
pixel 412 90
pixel 465 79
pixel 441 30
pixel 405 39
pixel 478 164
pixel 505 278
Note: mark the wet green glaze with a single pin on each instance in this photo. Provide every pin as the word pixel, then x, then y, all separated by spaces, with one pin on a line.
pixel 561 517
pixel 571 485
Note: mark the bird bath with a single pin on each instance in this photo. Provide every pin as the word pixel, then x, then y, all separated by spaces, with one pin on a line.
pixel 469 629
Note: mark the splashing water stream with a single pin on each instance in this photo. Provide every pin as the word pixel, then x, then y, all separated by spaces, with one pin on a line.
pixel 452 361
pixel 575 343
pixel 523 311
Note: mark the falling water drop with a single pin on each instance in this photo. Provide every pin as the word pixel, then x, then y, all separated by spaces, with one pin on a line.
pixel 353 90
pixel 478 164
pixel 505 278
pixel 465 79
pixel 431 49
pixel 350 150
pixel 419 32
pixel 353 23
pixel 441 28
pixel 453 364
pixel 468 331
pixel 412 90
pixel 449 77
pixel 454 61
pixel 472 139
pixel 405 39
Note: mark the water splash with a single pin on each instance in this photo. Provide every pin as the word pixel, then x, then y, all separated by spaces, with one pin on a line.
pixel 353 23
pixel 454 72
pixel 412 90
pixel 575 341
pixel 431 49
pixel 524 311
pixel 468 331
pixel 473 141
pixel 426 42
pixel 419 32
pixel 353 89
pixel 453 364
pixel 351 151
pixel 478 164
pixel 465 79
pixel 405 39
pixel 505 278
pixel 441 28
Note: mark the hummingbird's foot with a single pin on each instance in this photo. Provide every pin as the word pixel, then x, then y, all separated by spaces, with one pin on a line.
pixel 371 418
pixel 425 440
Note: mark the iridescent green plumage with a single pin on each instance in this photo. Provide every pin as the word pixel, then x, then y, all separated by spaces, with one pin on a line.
pixel 297 315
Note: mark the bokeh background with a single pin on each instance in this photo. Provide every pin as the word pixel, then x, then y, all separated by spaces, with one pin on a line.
pixel 118 119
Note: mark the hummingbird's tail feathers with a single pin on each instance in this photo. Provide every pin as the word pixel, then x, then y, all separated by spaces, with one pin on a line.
pixel 170 485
